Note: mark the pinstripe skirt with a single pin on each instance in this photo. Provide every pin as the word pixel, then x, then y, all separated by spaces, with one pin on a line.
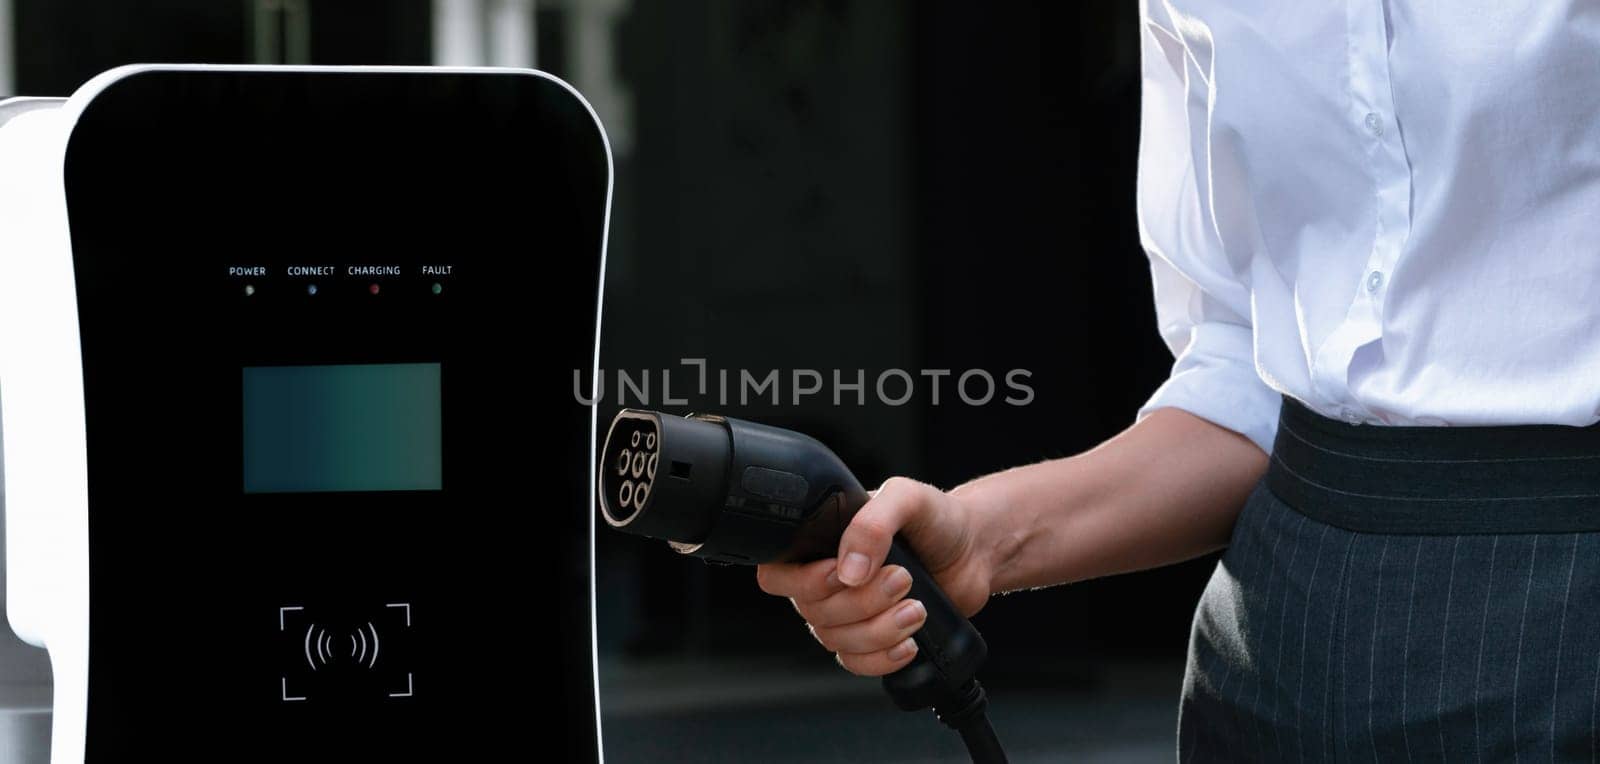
pixel 1405 594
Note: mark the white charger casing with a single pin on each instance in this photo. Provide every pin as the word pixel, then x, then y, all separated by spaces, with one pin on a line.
pixel 25 685
pixel 42 415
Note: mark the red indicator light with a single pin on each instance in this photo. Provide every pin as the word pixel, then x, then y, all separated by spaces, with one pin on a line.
pixel 373 289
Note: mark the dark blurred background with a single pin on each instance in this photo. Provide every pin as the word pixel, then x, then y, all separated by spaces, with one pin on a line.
pixel 811 184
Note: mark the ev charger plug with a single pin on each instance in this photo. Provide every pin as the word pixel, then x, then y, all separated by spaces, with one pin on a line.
pixel 742 493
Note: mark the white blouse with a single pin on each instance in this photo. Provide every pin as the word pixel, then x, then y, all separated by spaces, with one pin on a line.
pixel 1389 211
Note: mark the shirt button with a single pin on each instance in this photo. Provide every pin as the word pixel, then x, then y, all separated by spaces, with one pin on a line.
pixel 1374 281
pixel 1375 124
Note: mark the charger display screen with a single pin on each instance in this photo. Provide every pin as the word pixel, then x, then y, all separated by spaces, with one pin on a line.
pixel 348 427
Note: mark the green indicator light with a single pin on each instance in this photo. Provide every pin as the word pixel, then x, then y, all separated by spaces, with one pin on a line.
pixel 437 287
pixel 249 289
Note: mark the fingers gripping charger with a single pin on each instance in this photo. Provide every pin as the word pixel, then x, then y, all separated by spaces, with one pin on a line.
pixel 742 493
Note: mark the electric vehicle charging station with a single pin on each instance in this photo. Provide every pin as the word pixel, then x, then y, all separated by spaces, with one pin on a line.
pixel 274 348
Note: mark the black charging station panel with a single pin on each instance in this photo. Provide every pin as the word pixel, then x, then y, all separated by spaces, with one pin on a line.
pixel 338 478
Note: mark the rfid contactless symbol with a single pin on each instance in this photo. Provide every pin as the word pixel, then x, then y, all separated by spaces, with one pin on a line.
pixel 322 648
pixel 326 652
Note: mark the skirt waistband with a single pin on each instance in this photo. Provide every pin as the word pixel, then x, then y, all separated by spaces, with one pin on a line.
pixel 1437 480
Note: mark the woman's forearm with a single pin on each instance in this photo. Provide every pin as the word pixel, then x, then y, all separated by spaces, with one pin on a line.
pixel 1165 490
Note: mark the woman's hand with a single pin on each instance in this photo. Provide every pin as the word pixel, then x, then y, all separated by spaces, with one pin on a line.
pixel 856 606
pixel 1166 489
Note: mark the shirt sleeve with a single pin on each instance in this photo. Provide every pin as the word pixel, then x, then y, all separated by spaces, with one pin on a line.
pixel 1213 375
pixel 1187 208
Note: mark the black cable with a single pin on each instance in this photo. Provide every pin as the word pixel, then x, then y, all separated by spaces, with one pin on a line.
pixel 982 743
pixel 968 715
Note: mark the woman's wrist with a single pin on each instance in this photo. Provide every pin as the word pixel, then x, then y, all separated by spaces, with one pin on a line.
pixel 1165 490
pixel 980 518
pixel 1005 525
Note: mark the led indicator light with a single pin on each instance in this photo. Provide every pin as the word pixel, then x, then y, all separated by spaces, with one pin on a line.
pixel 311 289
pixel 249 289
pixel 373 289
pixel 437 288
